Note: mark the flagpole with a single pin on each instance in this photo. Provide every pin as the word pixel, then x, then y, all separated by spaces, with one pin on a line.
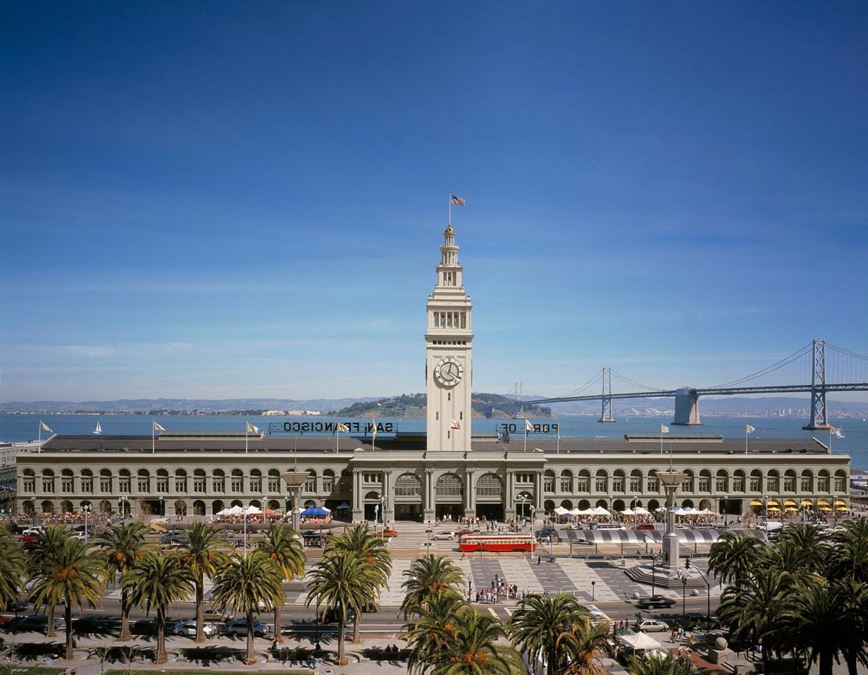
pixel 153 439
pixel 39 431
pixel 246 434
pixel 661 440
pixel 337 440
pixel 525 435
pixel 745 440
pixel 559 438
pixel 449 199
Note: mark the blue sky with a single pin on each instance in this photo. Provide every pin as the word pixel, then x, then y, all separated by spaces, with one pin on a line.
pixel 245 199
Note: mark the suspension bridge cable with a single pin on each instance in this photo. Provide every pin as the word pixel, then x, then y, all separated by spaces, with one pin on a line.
pixel 635 384
pixel 847 352
pixel 596 378
pixel 767 370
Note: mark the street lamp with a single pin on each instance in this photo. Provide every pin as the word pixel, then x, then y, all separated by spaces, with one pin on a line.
pixel 653 574
pixel 708 589
pixel 85 509
pixel 593 591
pixel 123 504
pixel 162 506
pixel 683 597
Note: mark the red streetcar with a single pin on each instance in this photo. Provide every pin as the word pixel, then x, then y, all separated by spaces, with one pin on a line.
pixel 497 542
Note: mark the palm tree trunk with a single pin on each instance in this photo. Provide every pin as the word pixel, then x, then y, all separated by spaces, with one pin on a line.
pixel 341 626
pixel 160 656
pixel 49 629
pixel 552 665
pixel 67 615
pixel 826 662
pixel 278 636
pixel 852 664
pixel 125 616
pixel 200 609
pixel 250 659
pixel 356 627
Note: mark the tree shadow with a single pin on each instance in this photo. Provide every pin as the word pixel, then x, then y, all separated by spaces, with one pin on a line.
pixel 34 651
pixel 209 655
pixel 391 654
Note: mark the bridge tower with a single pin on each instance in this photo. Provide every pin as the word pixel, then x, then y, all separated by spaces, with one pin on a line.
pixel 606 412
pixel 686 407
pixel 818 387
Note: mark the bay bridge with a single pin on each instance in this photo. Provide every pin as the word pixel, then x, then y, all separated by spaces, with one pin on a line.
pixel 819 368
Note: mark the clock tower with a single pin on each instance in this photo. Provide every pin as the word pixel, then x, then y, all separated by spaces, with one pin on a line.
pixel 448 366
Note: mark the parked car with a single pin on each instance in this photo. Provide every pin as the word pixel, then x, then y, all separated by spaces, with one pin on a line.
pixel 443 536
pixel 239 628
pixel 645 526
pixel 188 628
pixel 655 602
pixel 651 625
pixel 146 627
pixel 172 538
pixel 16 606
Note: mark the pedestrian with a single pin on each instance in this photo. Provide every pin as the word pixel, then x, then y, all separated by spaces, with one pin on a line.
pixel 538 560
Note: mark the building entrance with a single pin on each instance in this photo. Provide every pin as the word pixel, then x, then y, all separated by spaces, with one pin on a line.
pixel 408 512
pixel 490 511
pixel 450 511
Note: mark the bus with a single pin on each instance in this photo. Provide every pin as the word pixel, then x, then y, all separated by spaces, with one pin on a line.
pixel 497 542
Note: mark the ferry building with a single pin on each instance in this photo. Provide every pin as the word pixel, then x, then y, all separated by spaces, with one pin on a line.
pixel 445 471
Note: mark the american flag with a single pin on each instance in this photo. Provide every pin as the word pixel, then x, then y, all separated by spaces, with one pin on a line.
pixel 456 200
pixel 455 425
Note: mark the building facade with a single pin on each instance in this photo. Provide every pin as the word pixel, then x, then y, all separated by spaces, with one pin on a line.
pixel 446 472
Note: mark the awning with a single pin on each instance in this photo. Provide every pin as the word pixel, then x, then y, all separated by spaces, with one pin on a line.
pixel 640 641
pixel 807 502
pixel 774 508
pixel 773 502
pixel 790 502
pixel 823 502
pixel 840 502
pixel 840 509
pixel 756 502
pixel 790 509
pixel 825 508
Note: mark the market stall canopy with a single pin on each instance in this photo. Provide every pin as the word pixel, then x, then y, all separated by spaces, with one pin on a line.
pixel 628 512
pixel 639 511
pixel 600 511
pixel 640 641
pixel 315 512
pixel 561 511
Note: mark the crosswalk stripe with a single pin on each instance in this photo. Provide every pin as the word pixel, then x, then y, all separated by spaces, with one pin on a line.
pixel 508 611
pixel 493 613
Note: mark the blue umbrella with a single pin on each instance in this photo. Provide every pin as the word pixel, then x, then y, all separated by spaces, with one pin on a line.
pixel 315 512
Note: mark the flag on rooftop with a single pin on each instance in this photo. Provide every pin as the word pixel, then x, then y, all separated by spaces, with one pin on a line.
pixel 45 427
pixel 342 428
pixel 528 426
pixel 664 429
pixel 749 428
pixel 158 427
pixel 458 201
pixel 373 431
pixel 251 429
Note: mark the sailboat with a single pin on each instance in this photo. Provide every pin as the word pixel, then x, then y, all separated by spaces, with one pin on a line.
pixel 97 429
pixel 839 432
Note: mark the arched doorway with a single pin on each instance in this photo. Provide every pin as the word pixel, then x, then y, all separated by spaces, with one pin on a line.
pixel 704 504
pixel 449 497
pixel 273 504
pixel 28 508
pixel 198 508
pixel 524 504
pixel 372 504
pixel 489 497
pixel 408 497
pixel 584 504
pixel 66 506
pixel 180 507
pixel 618 505
pixel 567 504
pixel 548 506
pixel 47 507
pixel 216 506
pixel 105 506
pixel 687 503
pixel 603 503
pixel 653 505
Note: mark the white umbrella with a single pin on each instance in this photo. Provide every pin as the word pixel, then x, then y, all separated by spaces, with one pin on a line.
pixel 223 512
pixel 705 512
pixel 639 511
pixel 660 509
pixel 252 510
pixel 628 512
pixel 600 511
pixel 234 511
pixel 561 511
pixel 689 511
pixel 678 511
pixel 575 512
pixel 641 641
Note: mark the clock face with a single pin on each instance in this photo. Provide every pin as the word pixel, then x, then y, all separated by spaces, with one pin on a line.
pixel 448 371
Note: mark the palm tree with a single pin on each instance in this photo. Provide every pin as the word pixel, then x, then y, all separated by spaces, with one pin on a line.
pixel 45 548
pixel 71 576
pixel 245 582
pixel 829 619
pixel 200 552
pixel 427 637
pixel 809 547
pixel 538 623
pixel 585 643
pixel 733 557
pixel 283 546
pixel 466 643
pixel 341 582
pixel 650 664
pixel 12 563
pixel 756 611
pixel 429 576
pixel 156 581
pixel 123 545
pixel 371 550
pixel 849 555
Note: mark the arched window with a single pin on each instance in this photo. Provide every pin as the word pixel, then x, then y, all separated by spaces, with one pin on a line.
pixel 328 481
pixel 105 482
pixel 687 483
pixel 181 483
pixel 566 481
pixel 807 480
pixel 721 481
pixel 274 481
pixel 602 481
pixel 310 483
pixel 705 480
pixel 144 481
pixel 236 481
pixel 840 481
pixel 583 482
pixel 653 481
pixel 218 482
pixel 738 481
pixel 28 483
pixel 756 481
pixel 789 480
pixel 255 482
pixel 408 485
pixel 86 481
pixel 200 484
pixel 66 481
pixel 125 481
pixel 773 481
pixel 489 485
pixel 636 481
pixel 449 485
pixel 549 483
pixel 618 480
pixel 162 481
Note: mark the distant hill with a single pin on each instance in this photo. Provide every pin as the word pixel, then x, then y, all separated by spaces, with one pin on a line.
pixel 413 405
pixel 154 406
